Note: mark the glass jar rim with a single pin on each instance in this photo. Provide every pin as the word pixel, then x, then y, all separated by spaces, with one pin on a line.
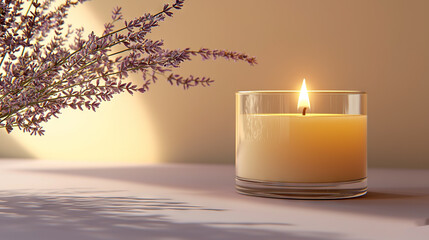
pixel 298 91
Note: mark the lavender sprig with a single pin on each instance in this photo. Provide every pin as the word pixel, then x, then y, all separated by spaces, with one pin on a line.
pixel 41 75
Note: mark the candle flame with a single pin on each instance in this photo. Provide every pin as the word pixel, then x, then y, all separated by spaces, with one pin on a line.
pixel 303 101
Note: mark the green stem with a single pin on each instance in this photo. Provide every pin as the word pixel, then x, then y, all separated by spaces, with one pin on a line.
pixel 94 78
pixel 82 68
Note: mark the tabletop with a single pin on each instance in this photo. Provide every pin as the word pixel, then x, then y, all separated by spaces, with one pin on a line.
pixel 76 200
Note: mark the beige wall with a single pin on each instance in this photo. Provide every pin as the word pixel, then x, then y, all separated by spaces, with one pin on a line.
pixel 381 47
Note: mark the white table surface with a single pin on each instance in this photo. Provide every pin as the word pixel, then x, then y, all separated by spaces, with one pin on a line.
pixel 79 201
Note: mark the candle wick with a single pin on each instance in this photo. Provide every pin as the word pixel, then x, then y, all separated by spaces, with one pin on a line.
pixel 303 111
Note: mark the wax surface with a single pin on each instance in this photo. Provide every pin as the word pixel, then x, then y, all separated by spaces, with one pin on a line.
pixel 296 148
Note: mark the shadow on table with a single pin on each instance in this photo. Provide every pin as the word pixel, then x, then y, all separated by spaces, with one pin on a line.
pixel 392 193
pixel 70 215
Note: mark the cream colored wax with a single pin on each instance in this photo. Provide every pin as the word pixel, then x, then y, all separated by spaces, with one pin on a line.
pixel 296 148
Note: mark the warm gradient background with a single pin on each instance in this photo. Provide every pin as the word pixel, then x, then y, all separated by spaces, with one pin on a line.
pixel 379 46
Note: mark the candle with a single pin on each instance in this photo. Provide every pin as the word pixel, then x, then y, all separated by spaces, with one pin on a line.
pixel 299 147
pixel 295 148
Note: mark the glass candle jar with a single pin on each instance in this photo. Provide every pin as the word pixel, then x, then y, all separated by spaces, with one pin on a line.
pixel 318 153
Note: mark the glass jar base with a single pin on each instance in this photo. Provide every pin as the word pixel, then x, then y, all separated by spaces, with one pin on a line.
pixel 322 191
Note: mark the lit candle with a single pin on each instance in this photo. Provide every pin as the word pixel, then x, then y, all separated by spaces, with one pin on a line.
pixel 302 148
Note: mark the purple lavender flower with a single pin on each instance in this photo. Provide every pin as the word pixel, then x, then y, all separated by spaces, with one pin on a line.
pixel 40 76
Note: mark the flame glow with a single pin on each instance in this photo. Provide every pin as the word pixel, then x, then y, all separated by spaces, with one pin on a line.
pixel 303 101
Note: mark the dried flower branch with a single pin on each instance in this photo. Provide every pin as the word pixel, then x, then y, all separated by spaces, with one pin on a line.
pixel 40 75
